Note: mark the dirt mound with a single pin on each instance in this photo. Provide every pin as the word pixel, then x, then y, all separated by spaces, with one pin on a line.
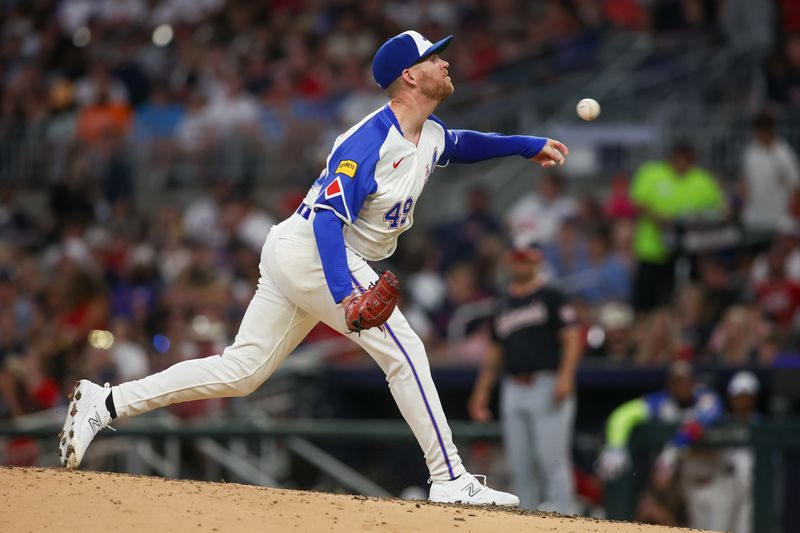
pixel 42 499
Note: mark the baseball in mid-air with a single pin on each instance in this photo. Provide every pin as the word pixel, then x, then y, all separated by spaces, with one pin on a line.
pixel 588 109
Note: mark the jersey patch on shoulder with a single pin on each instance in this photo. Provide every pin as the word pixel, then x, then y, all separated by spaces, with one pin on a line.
pixel 347 167
pixel 334 194
pixel 333 189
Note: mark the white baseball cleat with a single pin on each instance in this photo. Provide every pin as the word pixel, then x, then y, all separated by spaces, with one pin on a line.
pixel 86 416
pixel 466 489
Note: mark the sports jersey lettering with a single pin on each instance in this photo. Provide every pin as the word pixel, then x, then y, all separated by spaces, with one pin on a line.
pixel 430 166
pixel 347 167
pixel 393 215
pixel 511 321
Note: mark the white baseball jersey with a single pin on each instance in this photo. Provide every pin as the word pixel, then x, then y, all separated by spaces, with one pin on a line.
pixel 373 179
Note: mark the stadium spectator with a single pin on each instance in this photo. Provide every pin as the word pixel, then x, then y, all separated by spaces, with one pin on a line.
pixel 689 312
pixel 157 119
pixel 103 113
pixel 467 237
pixel 17 227
pixel 462 288
pixel 568 253
pixel 667 193
pixel 743 338
pixel 771 176
pixel 607 276
pixel 245 221
pixel 618 203
pixel 659 340
pixel 63 112
pixel 778 296
pixel 723 286
pixel 538 216
pixel 786 241
pixel 12 343
pixel 426 284
pixel 127 353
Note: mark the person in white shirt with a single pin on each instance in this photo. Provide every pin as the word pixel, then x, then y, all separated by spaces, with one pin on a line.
pixel 538 216
pixel 771 176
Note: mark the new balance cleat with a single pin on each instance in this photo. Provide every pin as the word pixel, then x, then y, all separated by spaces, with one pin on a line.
pixel 467 489
pixel 86 416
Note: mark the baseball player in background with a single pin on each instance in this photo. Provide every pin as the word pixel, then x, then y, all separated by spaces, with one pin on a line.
pixel 703 472
pixel 314 264
pixel 742 401
pixel 536 346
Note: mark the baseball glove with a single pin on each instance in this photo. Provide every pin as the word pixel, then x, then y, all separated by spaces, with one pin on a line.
pixel 374 306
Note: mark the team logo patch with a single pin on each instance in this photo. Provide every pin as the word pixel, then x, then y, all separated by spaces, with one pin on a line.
pixel 347 167
pixel 334 194
pixel 333 189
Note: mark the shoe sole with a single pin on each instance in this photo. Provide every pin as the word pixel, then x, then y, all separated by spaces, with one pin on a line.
pixel 461 502
pixel 66 446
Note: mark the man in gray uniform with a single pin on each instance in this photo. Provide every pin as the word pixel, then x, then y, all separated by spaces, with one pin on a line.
pixel 537 347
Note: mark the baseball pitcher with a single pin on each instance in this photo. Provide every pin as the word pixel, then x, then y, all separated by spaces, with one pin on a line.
pixel 314 268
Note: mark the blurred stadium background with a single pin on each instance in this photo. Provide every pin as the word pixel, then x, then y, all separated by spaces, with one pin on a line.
pixel 147 146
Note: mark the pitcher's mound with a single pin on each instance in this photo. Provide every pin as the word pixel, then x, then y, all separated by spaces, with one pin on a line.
pixel 42 499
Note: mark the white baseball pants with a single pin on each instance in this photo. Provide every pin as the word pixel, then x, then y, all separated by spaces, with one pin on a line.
pixel 291 298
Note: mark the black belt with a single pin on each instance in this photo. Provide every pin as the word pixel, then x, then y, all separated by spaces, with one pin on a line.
pixel 304 211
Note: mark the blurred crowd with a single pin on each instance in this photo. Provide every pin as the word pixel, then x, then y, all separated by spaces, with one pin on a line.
pixel 195 89
pixel 94 284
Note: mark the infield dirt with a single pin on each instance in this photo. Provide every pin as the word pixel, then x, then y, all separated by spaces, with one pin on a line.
pixel 48 499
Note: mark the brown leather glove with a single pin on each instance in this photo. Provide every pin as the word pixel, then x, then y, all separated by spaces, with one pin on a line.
pixel 374 306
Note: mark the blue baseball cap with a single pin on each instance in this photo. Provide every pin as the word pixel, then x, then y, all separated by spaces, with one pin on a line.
pixel 400 52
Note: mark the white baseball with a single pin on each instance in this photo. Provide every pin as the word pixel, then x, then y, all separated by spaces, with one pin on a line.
pixel 588 109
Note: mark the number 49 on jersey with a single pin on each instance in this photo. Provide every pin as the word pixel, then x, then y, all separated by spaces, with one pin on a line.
pixel 398 213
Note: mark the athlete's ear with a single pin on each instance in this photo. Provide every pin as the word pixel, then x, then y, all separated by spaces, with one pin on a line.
pixel 409 77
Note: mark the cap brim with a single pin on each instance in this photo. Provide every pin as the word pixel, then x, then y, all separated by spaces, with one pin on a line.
pixel 437 47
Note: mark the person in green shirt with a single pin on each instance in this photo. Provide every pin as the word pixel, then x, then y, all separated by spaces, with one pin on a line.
pixel 667 193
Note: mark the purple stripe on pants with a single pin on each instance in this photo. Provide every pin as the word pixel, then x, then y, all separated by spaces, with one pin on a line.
pixel 419 386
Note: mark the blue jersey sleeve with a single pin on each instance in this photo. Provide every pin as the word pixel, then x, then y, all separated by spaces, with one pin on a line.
pixel 350 175
pixel 330 243
pixel 707 412
pixel 654 401
pixel 467 146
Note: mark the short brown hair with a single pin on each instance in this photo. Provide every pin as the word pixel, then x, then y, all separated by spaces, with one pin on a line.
pixel 393 87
